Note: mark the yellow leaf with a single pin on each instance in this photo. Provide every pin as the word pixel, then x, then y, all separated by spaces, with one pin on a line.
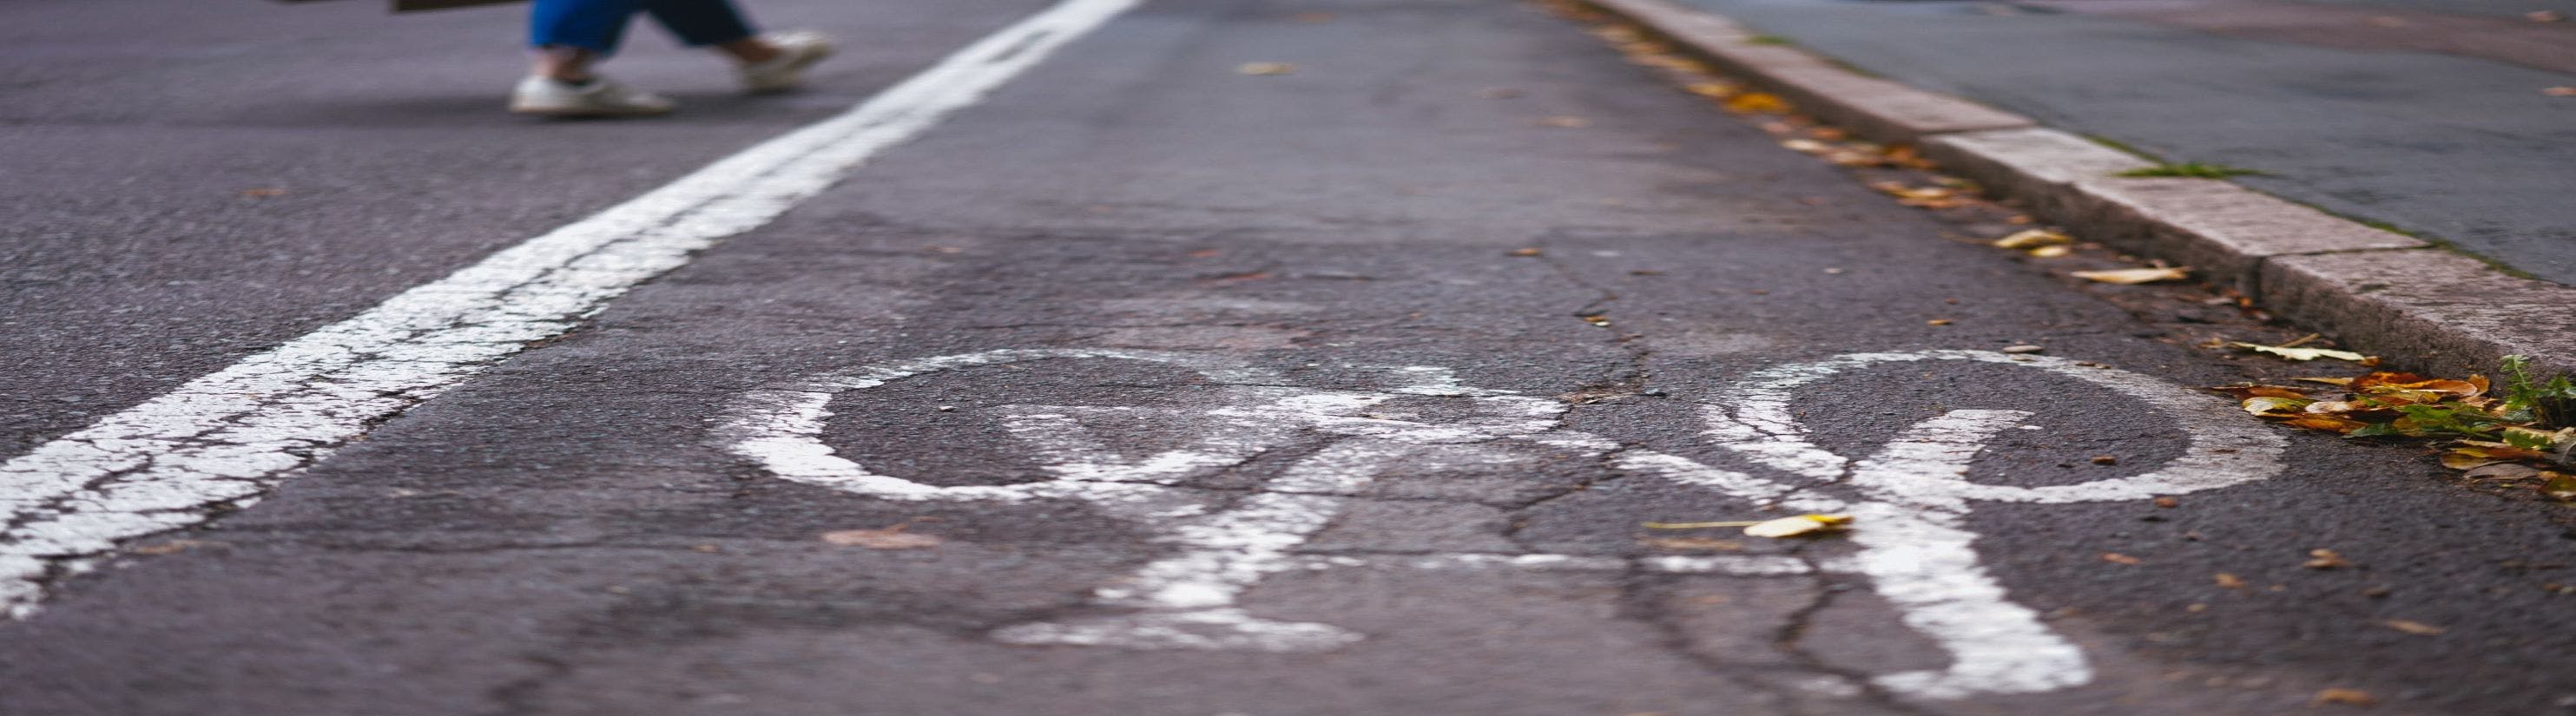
pixel 2324 559
pixel 1752 102
pixel 1799 526
pixel 1713 90
pixel 2118 558
pixel 2135 276
pixel 2050 252
pixel 2280 407
pixel 1265 68
pixel 2301 354
pixel 2027 239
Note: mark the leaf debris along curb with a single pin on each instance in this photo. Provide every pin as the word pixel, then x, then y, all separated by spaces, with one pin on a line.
pixel 2421 306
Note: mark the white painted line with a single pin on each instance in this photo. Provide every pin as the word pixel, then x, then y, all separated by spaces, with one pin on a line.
pixel 1912 496
pixel 1914 546
pixel 231 436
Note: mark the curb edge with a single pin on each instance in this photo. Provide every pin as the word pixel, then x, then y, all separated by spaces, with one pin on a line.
pixel 2452 314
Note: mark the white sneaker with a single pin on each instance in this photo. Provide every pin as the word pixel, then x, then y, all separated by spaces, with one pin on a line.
pixel 797 50
pixel 599 98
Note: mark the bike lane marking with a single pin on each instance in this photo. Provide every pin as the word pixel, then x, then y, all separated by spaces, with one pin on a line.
pixel 230 436
pixel 1913 498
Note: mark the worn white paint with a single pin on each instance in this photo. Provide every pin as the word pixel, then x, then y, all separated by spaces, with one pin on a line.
pixel 1911 497
pixel 1915 497
pixel 230 436
pixel 1188 599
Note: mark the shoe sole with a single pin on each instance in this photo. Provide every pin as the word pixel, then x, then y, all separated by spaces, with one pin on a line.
pixel 798 67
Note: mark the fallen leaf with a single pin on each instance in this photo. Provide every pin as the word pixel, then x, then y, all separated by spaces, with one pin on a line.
pixel 2168 502
pixel 888 538
pixel 1694 544
pixel 2414 627
pixel 2326 423
pixel 2135 276
pixel 2324 559
pixel 2545 16
pixel 1712 90
pixel 1938 322
pixel 1753 102
pixel 2559 91
pixel 1532 251
pixel 2031 239
pixel 2106 460
pixel 1809 146
pixel 2300 354
pixel 2348 697
pixel 2500 472
pixel 2050 252
pixel 1798 526
pixel 1265 68
pixel 1565 122
pixel 2118 558
pixel 2024 348
pixel 2271 407
pixel 2558 486
pixel 2229 581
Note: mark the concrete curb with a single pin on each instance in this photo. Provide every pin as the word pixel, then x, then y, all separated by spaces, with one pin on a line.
pixel 2421 307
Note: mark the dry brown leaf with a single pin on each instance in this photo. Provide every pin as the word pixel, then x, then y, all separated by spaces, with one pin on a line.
pixel 2229 581
pixel 2347 697
pixel 2136 275
pixel 2414 627
pixel 1799 526
pixel 2118 558
pixel 1532 251
pixel 2545 16
pixel 2327 423
pixel 1756 102
pixel 1938 322
pixel 2324 559
pixel 2560 91
pixel 888 538
pixel 1265 68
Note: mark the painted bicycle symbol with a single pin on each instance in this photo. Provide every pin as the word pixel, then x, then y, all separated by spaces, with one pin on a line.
pixel 1911 496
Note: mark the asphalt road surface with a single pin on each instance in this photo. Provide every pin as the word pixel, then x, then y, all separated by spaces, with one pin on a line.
pixel 1079 371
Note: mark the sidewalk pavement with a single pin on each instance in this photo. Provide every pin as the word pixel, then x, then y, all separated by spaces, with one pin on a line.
pixel 2380 113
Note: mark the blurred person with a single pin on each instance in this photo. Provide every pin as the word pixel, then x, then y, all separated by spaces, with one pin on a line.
pixel 569 36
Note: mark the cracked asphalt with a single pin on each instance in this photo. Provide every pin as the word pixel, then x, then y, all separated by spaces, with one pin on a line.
pixel 574 531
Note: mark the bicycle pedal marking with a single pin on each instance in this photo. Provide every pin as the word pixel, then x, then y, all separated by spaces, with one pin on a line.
pixel 1911 495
